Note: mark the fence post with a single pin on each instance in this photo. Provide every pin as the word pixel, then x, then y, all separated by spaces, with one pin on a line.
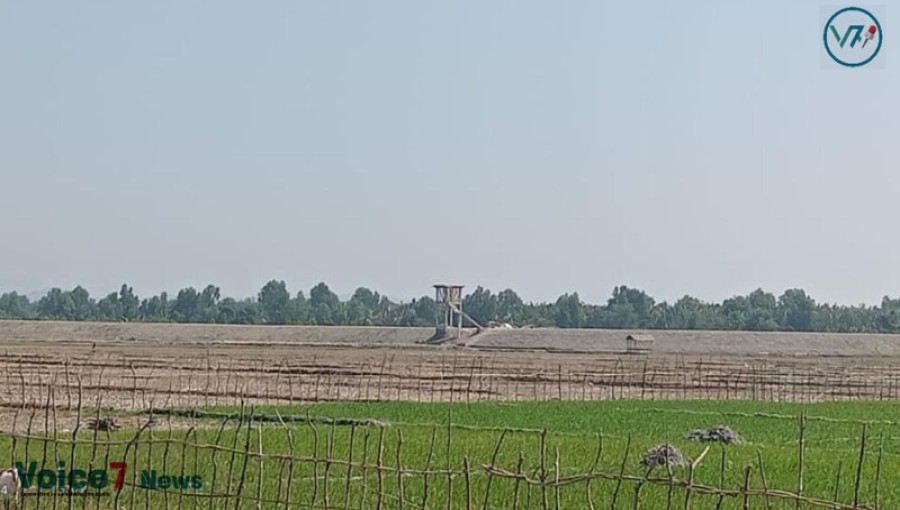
pixel 191 431
pixel 721 479
pixel 365 468
pixel 615 496
pixel 765 482
pixel 215 463
pixel 544 502
pixel 169 441
pixel 468 483
pixel 349 468
pixel 237 433
pixel 449 465
pixel 315 462
pixel 559 380
pixel 556 479
pixel 399 469
pixel 46 427
pixel 260 475
pixel 74 441
pixel 428 469
pixel 469 382
pixel 290 477
pixel 379 466
pixel 246 460
pixel 490 476
pixel 837 482
pixel 746 488
pixel 689 487
pixel 639 486
pixel 596 462
pixel 859 467
pixel 878 471
pixel 518 482
pixel 329 455
pixel 800 455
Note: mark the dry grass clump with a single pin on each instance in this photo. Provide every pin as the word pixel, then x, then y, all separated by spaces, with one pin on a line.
pixel 663 454
pixel 103 424
pixel 717 434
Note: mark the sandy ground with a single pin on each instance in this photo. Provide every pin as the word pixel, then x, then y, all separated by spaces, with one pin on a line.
pixel 696 342
pixel 589 340
pixel 70 366
pixel 51 331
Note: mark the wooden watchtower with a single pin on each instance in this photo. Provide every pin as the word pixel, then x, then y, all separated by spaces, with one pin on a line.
pixel 449 314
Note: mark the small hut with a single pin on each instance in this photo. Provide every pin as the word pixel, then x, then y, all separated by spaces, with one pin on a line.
pixel 638 343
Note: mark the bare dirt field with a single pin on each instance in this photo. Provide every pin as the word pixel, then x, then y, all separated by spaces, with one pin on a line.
pixel 64 365
pixel 582 340
pixel 57 376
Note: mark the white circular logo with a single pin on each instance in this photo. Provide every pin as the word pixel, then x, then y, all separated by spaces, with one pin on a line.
pixel 852 37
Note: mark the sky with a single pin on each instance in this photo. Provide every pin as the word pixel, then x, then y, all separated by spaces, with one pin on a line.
pixel 691 147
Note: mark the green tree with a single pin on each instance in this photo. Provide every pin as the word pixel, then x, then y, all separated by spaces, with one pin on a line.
pixel 569 311
pixel 735 311
pixel 362 306
pixel 83 307
pixel 691 313
pixel 129 304
pixel 761 313
pixel 155 309
pixel 298 310
pixel 629 308
pixel 481 305
pixel 273 300
pixel 425 309
pixel 187 306
pixel 57 304
pixel 509 307
pixel 366 297
pixel 245 311
pixel 796 310
pixel 660 316
pixel 388 313
pixel 15 306
pixel 325 305
pixel 109 308
pixel 208 304
pixel 888 315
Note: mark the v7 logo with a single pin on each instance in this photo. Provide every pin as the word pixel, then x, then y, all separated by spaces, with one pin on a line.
pixel 858 29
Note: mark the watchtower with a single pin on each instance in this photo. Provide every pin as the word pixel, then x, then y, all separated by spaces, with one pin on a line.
pixel 449 309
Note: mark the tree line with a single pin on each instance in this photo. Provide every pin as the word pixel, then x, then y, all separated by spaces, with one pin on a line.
pixel 793 310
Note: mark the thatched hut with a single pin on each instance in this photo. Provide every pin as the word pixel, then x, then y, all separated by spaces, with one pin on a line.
pixel 638 342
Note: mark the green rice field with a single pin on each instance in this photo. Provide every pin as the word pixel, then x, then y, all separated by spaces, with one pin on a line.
pixel 482 455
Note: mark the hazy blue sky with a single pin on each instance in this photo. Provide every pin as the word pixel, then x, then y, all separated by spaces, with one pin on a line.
pixel 681 147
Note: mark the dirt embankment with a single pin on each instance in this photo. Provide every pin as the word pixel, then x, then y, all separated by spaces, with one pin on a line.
pixel 538 339
pixel 54 331
pixel 137 366
pixel 696 342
